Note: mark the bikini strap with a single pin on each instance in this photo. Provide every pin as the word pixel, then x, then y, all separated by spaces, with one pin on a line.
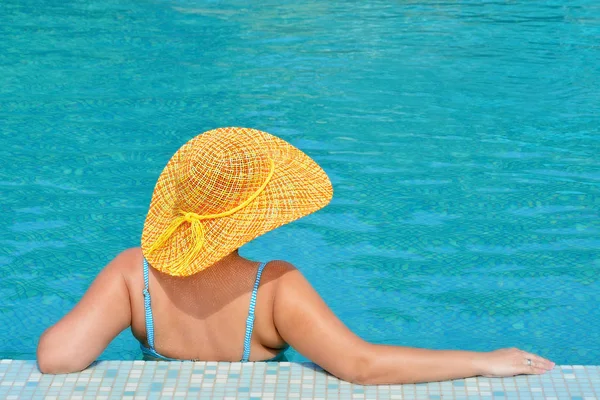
pixel 148 309
pixel 250 320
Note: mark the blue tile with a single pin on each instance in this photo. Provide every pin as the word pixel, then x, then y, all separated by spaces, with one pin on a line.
pixel 434 397
pixel 498 393
pixel 32 384
pixel 172 374
pixel 243 390
pixel 80 388
pixel 156 387
pixel 459 383
pixel 193 389
pixel 110 373
pixel 576 398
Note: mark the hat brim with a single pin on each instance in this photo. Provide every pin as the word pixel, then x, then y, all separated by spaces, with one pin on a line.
pixel 298 187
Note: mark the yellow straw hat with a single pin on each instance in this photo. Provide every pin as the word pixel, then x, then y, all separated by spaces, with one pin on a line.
pixel 222 189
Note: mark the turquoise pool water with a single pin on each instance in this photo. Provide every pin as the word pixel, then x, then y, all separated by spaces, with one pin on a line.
pixel 462 141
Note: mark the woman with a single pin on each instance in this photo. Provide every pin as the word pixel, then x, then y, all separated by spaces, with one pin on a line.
pixel 188 295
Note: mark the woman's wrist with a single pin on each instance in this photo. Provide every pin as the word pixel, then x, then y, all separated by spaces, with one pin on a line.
pixel 479 362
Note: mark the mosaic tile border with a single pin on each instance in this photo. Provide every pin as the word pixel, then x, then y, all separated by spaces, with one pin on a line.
pixel 272 381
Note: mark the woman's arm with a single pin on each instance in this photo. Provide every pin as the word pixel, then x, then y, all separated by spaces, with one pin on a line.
pixel 80 336
pixel 308 325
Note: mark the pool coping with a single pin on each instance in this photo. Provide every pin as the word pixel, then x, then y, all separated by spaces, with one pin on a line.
pixel 21 379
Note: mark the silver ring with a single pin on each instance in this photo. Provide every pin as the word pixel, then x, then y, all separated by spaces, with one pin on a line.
pixel 529 362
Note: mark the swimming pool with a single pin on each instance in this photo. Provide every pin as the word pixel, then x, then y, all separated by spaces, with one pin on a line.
pixel 461 140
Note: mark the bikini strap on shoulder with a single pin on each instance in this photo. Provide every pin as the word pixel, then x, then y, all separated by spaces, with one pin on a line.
pixel 148 308
pixel 251 311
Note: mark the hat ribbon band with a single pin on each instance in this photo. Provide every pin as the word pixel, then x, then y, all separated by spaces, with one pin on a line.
pixel 197 236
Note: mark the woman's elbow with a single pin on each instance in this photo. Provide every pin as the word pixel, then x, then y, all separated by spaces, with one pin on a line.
pixel 49 363
pixel 46 364
pixel 51 360
pixel 356 370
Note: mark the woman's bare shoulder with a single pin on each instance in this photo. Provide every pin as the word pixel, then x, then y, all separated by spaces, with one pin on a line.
pixel 280 266
pixel 129 263
pixel 130 256
pixel 275 271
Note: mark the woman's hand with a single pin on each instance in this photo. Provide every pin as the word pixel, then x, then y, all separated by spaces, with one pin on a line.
pixel 508 362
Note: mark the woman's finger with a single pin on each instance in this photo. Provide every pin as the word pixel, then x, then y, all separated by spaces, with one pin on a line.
pixel 534 365
pixel 539 362
pixel 534 370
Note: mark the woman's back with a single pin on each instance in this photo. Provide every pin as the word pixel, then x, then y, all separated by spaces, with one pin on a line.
pixel 204 317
